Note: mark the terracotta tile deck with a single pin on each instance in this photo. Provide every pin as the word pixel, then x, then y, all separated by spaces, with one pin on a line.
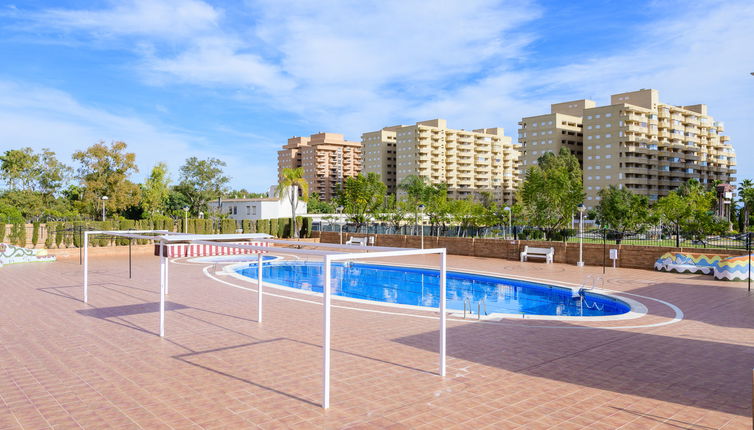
pixel 65 364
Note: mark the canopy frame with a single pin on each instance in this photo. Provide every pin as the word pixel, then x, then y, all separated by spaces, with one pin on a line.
pixel 337 252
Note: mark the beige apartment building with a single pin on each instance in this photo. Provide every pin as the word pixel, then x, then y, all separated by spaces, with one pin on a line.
pixel 636 142
pixel 327 159
pixel 470 162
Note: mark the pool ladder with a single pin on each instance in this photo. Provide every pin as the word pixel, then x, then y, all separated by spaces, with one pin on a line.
pixel 481 306
pixel 579 294
pixel 595 280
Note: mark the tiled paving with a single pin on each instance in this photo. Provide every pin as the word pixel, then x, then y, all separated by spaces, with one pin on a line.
pixel 66 364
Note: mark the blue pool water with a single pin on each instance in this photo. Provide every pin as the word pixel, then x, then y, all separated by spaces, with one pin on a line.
pixel 421 287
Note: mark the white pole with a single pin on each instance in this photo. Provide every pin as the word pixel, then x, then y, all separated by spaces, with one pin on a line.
pixel 259 287
pixel 581 239
pixel 422 227
pixel 167 267
pixel 163 278
pixel 443 320
pixel 326 337
pixel 86 266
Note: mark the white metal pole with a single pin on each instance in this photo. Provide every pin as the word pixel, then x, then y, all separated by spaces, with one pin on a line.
pixel 167 269
pixel 581 239
pixel 86 266
pixel 443 319
pixel 326 336
pixel 163 273
pixel 259 287
pixel 510 223
pixel 422 228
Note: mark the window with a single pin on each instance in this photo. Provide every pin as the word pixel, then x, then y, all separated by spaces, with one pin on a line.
pixel 608 115
pixel 248 210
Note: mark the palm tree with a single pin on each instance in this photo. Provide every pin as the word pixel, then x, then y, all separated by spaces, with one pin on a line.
pixel 746 195
pixel 290 182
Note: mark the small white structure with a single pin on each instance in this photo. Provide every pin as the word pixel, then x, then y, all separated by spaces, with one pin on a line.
pixel 259 208
pixel 547 253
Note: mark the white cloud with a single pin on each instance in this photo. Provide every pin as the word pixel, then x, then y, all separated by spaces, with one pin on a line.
pixel 163 18
pixel 41 117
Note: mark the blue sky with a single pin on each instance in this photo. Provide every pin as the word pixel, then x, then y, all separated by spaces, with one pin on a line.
pixel 235 79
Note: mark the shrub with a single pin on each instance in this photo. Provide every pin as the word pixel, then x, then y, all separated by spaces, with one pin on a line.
pixel 35 234
pixel 50 228
pixel 228 226
pixel 273 227
pixel 18 234
pixel 306 227
pixel 249 226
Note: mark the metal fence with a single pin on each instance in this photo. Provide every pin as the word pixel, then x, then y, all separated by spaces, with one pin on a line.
pixel 658 236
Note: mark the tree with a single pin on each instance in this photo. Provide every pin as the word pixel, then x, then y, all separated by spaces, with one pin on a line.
pixel 394 212
pixel 104 171
pixel 746 196
pixel 465 214
pixel 155 190
pixel 317 206
pixel 689 209
pixel 201 181
pixel 361 197
pixel 290 182
pixel 551 191
pixel 19 168
pixel 623 211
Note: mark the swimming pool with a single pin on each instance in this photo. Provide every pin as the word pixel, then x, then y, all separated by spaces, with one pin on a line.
pixel 420 287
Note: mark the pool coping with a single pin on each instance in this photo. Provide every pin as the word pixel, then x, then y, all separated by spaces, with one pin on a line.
pixel 637 309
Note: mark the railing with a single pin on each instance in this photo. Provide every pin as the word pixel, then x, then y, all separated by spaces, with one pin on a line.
pixel 656 236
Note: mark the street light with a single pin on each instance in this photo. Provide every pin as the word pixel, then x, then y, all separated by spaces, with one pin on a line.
pixel 340 222
pixel 185 219
pixel 510 219
pixel 421 223
pixel 582 208
pixel 104 200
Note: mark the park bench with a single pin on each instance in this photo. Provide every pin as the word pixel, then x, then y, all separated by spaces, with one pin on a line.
pixel 547 253
pixel 362 241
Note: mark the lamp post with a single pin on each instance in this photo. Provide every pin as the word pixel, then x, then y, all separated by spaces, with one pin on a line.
pixel 510 220
pixel 421 223
pixel 185 219
pixel 201 215
pixel 340 222
pixel 104 200
pixel 582 208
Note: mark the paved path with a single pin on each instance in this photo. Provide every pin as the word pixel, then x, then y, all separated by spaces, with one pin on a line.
pixel 66 364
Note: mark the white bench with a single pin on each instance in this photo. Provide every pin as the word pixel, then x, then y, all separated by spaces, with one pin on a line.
pixel 547 253
pixel 362 241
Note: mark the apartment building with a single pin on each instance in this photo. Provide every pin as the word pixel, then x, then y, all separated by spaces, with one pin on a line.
pixel 636 142
pixel 470 162
pixel 327 159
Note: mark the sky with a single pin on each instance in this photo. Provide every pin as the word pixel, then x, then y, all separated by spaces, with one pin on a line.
pixel 235 79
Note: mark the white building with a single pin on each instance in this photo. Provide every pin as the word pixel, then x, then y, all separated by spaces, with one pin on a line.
pixel 259 208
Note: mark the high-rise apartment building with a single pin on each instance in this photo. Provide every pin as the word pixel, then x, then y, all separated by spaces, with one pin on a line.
pixel 327 159
pixel 636 142
pixel 470 162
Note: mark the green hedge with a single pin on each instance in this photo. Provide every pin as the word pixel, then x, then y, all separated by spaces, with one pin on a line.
pixel 18 234
pixel 249 226
pixel 228 226
pixel 306 227
pixel 35 234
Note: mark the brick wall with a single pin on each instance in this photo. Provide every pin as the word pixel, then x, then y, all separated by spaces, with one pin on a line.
pixel 629 256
